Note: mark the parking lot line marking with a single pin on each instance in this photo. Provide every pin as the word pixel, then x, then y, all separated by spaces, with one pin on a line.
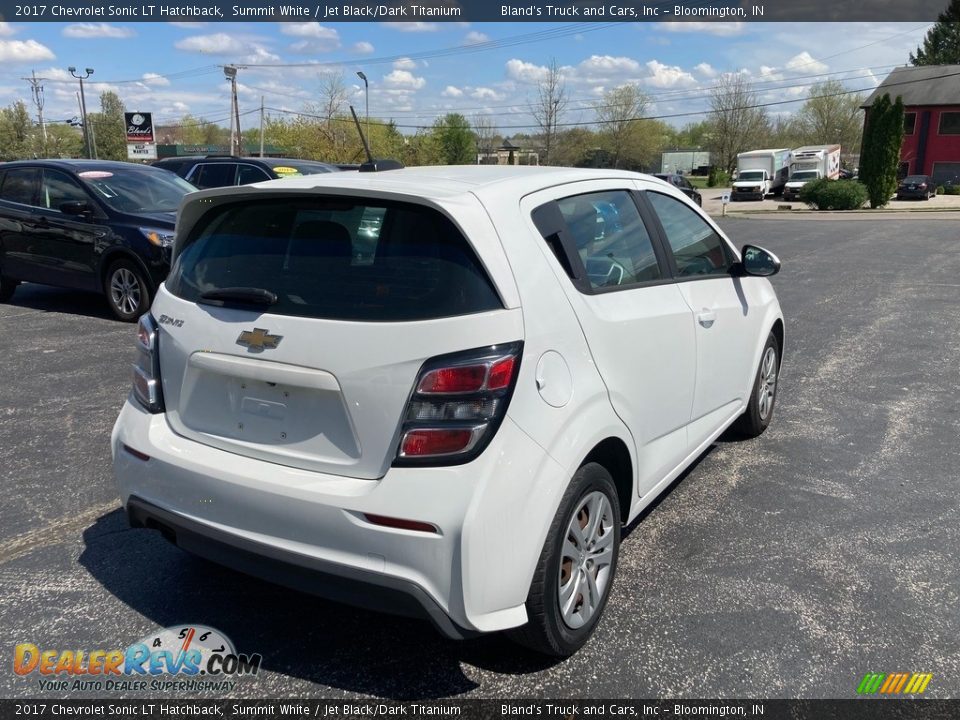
pixel 57 532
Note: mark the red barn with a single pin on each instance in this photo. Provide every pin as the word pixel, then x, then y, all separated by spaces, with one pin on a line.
pixel 931 138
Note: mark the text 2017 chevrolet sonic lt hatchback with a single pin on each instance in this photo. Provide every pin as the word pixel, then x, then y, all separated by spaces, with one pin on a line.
pixel 441 390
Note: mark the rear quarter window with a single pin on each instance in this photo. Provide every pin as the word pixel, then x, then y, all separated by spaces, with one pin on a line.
pixel 337 259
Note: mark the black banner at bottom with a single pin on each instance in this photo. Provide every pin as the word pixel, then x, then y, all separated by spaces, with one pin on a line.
pixel 874 709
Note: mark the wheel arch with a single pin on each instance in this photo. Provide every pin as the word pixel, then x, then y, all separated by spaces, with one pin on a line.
pixel 613 454
pixel 112 255
pixel 777 331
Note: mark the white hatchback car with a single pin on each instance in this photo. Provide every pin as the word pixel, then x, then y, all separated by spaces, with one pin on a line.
pixel 441 390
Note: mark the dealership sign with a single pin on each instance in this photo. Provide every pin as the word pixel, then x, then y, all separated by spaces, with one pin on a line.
pixel 140 140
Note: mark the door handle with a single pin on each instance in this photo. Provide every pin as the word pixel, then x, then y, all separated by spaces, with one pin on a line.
pixel 706 318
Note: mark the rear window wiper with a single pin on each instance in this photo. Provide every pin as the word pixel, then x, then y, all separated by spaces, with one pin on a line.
pixel 239 296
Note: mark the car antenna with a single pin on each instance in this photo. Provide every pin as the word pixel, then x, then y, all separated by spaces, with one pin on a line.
pixel 372 165
pixel 363 138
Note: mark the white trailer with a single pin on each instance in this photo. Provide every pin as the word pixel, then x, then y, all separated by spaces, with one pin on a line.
pixel 811 162
pixel 760 173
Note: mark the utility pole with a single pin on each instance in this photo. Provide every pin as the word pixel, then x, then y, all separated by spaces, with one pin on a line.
pixel 261 126
pixel 91 148
pixel 236 138
pixel 37 91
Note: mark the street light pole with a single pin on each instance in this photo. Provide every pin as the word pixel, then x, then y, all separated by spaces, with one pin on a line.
pixel 366 92
pixel 83 109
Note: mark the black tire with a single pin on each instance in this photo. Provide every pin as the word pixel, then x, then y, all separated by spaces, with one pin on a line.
pixel 126 305
pixel 754 420
pixel 546 631
pixel 7 288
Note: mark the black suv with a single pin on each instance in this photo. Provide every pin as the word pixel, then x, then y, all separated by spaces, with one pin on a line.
pixel 90 225
pixel 682 184
pixel 223 170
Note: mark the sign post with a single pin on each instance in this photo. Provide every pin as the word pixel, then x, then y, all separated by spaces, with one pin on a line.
pixel 725 198
pixel 141 144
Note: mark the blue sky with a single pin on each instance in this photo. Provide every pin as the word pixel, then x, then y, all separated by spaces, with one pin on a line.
pixel 420 70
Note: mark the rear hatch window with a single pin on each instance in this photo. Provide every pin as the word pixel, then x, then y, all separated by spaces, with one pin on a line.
pixel 336 259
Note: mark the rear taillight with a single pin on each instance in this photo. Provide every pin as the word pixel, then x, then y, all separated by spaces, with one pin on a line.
pixel 146 368
pixel 457 405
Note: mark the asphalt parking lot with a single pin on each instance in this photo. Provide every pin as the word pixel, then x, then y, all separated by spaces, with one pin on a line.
pixel 786 566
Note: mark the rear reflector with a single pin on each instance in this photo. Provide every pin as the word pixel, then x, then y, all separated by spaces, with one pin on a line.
pixel 436 441
pixel 136 453
pixel 400 524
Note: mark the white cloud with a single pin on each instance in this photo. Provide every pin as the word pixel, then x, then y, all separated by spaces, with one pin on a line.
pixel 6 30
pixel 317 37
pixel 485 93
pixel 474 38
pixel 97 30
pixel 607 65
pixel 24 51
pixel 403 80
pixel 452 92
pixel 706 70
pixel 155 80
pixel 665 76
pixel 723 29
pixel 224 44
pixel 805 63
pixel 412 26
pixel 188 25
pixel 523 71
pixel 404 64
pixel 362 48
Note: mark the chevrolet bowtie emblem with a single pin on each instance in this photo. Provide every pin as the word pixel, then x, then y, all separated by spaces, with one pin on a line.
pixel 259 339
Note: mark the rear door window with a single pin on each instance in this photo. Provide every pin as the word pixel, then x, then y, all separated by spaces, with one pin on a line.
pixel 247 174
pixel 611 239
pixel 20 185
pixel 211 175
pixel 337 259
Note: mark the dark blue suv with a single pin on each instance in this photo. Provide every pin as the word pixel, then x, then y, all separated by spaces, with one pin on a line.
pixel 88 224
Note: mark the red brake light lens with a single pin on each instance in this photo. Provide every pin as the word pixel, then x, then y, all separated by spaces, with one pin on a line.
pixel 468 378
pixel 501 373
pixel 435 441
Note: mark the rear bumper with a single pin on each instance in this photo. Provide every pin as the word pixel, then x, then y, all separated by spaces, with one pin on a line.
pixel 300 528
pixel 352 586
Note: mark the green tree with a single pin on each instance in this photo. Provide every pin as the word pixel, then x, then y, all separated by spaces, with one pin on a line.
pixel 881 149
pixel 63 141
pixel 455 140
pixel 831 115
pixel 621 129
pixel 109 131
pixel 941 46
pixel 16 132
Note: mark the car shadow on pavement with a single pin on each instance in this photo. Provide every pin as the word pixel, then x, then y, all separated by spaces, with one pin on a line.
pixel 60 300
pixel 300 636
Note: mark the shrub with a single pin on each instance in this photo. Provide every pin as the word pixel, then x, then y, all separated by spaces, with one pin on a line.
pixel 951 190
pixel 940 190
pixel 717 178
pixel 826 194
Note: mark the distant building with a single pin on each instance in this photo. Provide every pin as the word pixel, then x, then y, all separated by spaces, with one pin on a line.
pixel 508 154
pixel 686 161
pixel 931 138
pixel 186 150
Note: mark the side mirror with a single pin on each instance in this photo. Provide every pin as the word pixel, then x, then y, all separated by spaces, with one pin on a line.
pixel 759 262
pixel 76 207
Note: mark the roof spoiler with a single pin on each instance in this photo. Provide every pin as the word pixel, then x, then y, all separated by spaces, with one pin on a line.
pixel 381 165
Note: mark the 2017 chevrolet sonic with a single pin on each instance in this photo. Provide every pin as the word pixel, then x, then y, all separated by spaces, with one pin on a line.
pixel 441 390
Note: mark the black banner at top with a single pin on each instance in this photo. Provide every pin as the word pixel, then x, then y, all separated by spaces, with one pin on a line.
pixel 330 11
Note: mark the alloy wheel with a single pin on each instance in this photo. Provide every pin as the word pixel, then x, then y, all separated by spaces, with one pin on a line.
pixel 585 560
pixel 768 382
pixel 125 291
